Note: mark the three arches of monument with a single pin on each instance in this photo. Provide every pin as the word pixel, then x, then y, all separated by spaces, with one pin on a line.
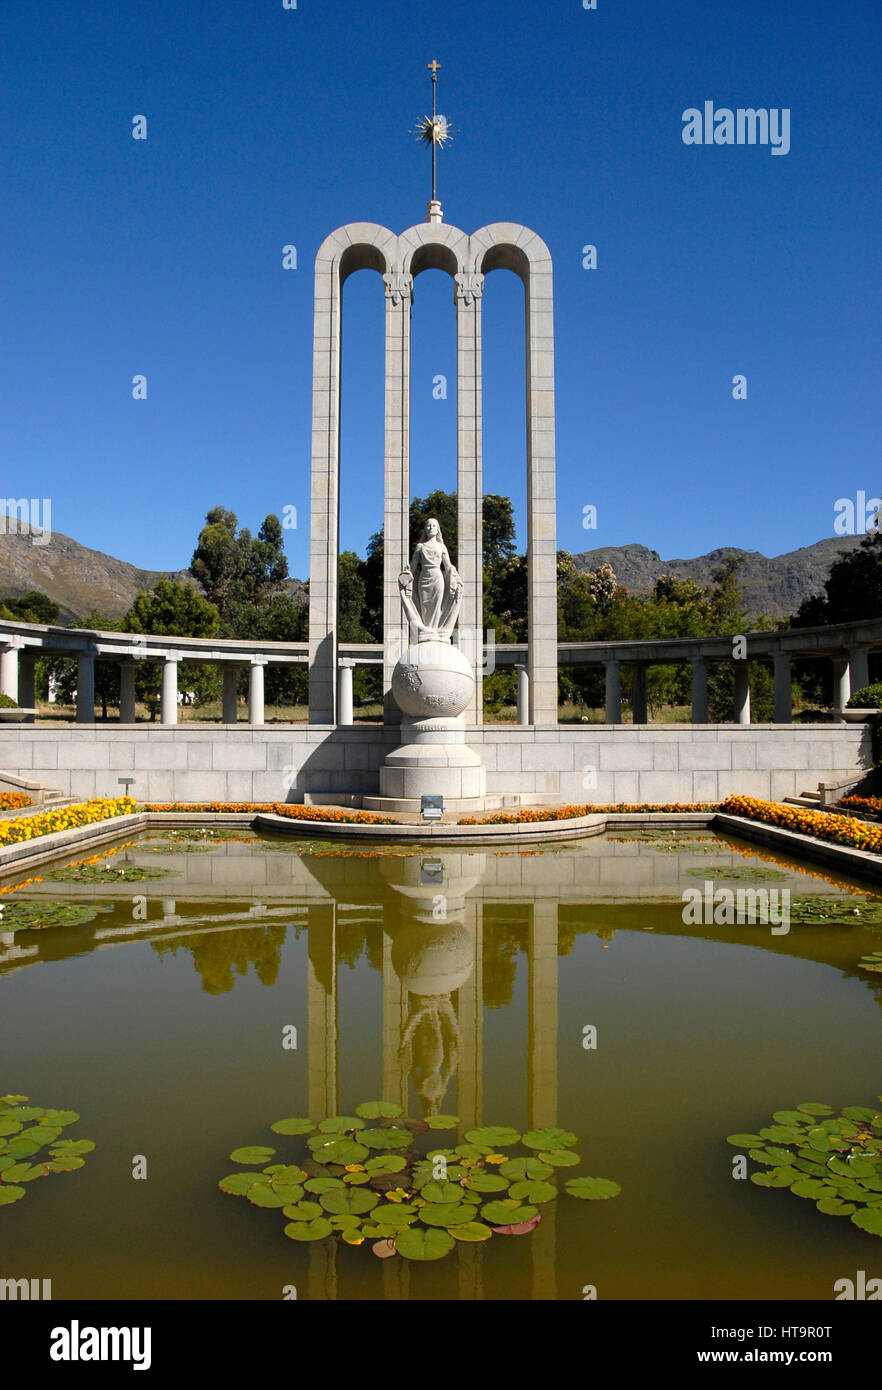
pixel 467 259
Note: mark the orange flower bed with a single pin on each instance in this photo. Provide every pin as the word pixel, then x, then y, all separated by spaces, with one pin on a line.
pixel 869 805
pixel 84 813
pixel 13 801
pixel 838 829
pixel 573 812
pixel 278 808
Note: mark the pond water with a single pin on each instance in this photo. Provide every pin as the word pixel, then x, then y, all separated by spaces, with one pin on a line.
pixel 455 982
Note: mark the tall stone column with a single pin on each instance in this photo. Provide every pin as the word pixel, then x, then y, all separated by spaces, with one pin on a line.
pixel 85 688
pixel 742 693
pixel 9 670
pixel 783 690
pixel 470 492
pixel 613 692
pixel 699 690
pixel 541 504
pixel 523 694
pixel 168 695
pixel 255 693
pixel 344 691
pixel 841 682
pixel 127 692
pixel 324 489
pixel 396 512
pixel 395 1081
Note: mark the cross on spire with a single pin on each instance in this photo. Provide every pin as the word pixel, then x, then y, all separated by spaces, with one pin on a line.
pixel 434 130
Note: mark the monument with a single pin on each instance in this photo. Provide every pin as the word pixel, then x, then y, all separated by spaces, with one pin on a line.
pixel 433 607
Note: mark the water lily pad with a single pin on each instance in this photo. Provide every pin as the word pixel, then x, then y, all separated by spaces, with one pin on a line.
pixel 395 1214
pixel 811 1187
pixel 549 1139
pixel 834 1206
pixel 25 1172
pixel 532 1190
pixel 592 1189
pixel 389 1138
pixel 493 1137
pixel 383 1249
pixel 9 1126
pixel 65 1165
pixel 852 1167
pixel 859 1112
pixel 791 1117
pixel 294 1125
pixel 746 1141
pixel 506 1211
pixel 10 1194
pixel 341 1124
pixel 417 1243
pixel 348 1201
pixel 323 1184
pixel 519 1228
pixel 265 1194
pixel 517 1169
pixel 441 1192
pixel 65 1148
pixel 253 1154
pixel 869 1219
pixel 356 1179
pixel 560 1158
pixel 304 1211
pixel 783 1134
pixel 343 1223
pixel 340 1151
pixel 20 1146
pixel 383 1164
pixel 811 1107
pixel 777 1177
pixel 446 1213
pixel 237 1184
pixel 378 1110
pixel 487 1182
pixel 472 1152
pixel 309 1230
pixel 442 1121
pixel 472 1231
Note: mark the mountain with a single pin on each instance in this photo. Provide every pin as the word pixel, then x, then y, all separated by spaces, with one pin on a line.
pixel 773 585
pixel 83 580
pixel 80 580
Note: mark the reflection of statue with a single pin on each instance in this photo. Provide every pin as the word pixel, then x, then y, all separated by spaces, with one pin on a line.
pixel 431 589
pixel 430 1048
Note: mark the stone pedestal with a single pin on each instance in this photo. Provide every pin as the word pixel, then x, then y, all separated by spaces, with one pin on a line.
pixel 433 760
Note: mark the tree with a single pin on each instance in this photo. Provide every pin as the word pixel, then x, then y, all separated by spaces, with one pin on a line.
pixel 853 590
pixel 219 559
pixel 174 610
pixel 33 607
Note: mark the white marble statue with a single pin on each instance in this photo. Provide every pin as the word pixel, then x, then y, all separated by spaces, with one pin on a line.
pixel 431 589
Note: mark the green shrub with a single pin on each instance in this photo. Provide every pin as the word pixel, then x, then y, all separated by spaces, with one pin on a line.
pixel 868 698
pixel 7 702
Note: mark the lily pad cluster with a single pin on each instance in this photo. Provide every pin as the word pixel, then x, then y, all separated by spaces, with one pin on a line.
pixel 35 915
pixel 866 911
pixel 106 873
pixel 25 1130
pixel 374 1177
pixel 871 962
pixel 832 1160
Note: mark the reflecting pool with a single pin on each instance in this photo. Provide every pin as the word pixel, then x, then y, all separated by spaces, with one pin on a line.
pixel 257 978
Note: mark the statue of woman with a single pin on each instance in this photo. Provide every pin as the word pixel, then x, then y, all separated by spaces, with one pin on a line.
pixel 431 589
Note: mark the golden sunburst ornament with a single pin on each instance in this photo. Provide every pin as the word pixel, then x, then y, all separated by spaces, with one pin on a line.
pixel 433 130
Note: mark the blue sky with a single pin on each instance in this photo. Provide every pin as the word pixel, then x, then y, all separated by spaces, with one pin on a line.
pixel 268 127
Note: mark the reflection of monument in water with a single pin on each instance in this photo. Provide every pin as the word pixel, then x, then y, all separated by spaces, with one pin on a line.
pixel 433 986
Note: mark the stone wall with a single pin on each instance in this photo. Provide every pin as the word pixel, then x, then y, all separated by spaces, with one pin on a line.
pixel 596 763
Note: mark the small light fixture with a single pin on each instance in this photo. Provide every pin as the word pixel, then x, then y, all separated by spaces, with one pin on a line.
pixel 432 807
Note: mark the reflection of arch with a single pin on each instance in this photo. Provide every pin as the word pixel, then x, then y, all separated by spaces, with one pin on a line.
pixel 501 245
